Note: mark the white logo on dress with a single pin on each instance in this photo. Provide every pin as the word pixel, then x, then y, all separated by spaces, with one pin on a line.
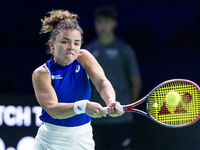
pixel 77 68
pixel 55 77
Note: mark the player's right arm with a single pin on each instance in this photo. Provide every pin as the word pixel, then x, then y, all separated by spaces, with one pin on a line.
pixel 47 98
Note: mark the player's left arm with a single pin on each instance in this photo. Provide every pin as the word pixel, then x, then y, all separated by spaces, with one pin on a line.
pixel 101 83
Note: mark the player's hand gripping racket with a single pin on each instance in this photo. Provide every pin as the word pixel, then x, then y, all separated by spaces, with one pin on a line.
pixel 173 103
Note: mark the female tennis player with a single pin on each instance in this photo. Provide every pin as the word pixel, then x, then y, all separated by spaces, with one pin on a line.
pixel 62 87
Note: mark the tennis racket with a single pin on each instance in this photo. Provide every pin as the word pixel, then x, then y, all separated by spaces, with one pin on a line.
pixel 185 113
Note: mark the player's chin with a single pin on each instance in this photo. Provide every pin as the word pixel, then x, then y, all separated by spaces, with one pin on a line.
pixel 70 59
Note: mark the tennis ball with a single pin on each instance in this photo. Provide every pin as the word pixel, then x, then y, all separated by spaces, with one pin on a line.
pixel 173 98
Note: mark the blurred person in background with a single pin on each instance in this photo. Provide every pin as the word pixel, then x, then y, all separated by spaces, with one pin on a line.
pixel 119 62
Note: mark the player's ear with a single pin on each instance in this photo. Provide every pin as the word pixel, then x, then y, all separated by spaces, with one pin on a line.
pixel 51 44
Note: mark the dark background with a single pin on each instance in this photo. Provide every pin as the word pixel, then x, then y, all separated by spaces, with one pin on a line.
pixel 164 34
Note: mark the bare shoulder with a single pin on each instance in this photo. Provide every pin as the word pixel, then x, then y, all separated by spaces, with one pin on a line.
pixel 39 73
pixel 85 57
pixel 84 53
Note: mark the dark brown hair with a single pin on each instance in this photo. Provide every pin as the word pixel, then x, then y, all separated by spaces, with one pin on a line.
pixel 57 21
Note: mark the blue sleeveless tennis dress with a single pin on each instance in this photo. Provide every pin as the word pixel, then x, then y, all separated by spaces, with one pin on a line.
pixel 71 84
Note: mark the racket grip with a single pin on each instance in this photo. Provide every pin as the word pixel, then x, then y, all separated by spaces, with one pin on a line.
pixel 106 109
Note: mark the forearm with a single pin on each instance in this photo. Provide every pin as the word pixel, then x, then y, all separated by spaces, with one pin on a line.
pixel 108 95
pixel 63 110
pixel 107 92
pixel 60 110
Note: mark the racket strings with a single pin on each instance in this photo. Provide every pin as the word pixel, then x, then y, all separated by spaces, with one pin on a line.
pixel 186 111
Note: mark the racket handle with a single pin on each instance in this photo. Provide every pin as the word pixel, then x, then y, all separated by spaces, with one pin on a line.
pixel 106 109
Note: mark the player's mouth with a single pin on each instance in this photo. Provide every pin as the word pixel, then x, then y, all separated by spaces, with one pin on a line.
pixel 68 53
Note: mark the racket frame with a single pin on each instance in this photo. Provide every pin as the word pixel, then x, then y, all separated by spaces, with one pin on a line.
pixel 129 108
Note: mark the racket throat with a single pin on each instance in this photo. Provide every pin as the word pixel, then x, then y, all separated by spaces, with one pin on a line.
pixel 136 111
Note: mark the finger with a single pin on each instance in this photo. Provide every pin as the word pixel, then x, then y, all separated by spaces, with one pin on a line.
pixel 103 111
pixel 112 110
pixel 100 113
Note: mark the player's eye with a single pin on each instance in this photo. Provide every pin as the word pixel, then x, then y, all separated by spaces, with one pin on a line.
pixel 77 44
pixel 64 42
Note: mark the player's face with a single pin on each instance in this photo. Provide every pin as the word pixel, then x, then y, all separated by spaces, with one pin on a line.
pixel 104 25
pixel 67 46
